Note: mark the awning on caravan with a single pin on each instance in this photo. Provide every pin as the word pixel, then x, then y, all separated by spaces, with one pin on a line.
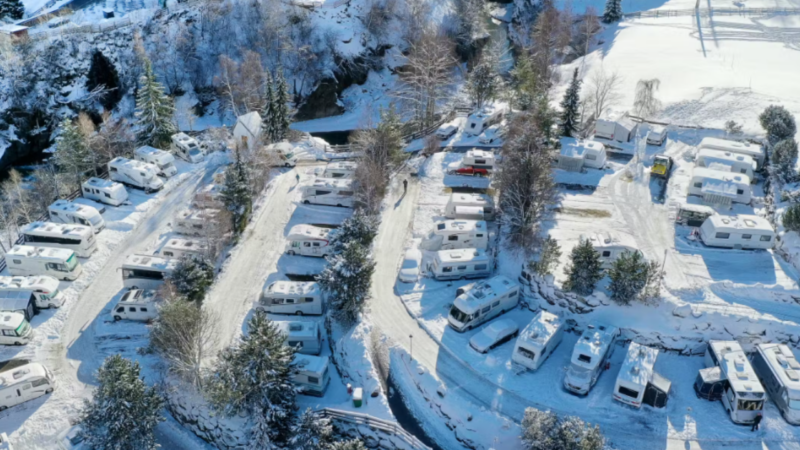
pixel 719 187
pixel 657 391
pixel 710 383
pixel 18 301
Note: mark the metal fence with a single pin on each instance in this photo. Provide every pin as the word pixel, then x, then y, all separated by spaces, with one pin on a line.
pixel 375 424
pixel 713 12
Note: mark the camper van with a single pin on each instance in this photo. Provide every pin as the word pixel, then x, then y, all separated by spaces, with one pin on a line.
pixel 575 155
pixel 329 191
pixel 620 130
pixel 77 238
pixel 23 383
pixel 737 232
pixel 146 271
pixel 179 248
pixel 458 201
pixel 138 305
pixel 312 376
pixel 637 382
pixel 589 356
pixel 744 396
pixel 610 246
pixel 164 161
pixel 693 215
pixel 291 297
pixel 43 287
pixel 730 162
pixel 489 115
pixel 479 159
pixel 26 260
pixel 134 173
pixel 538 340
pixel 65 211
pixel 779 372
pixel 754 151
pixel 284 153
pixel 187 148
pixel 461 264
pixel 308 240
pixel 194 222
pixel 455 234
pixel 14 330
pixel 304 337
pixel 483 302
pixel 340 169
pixel 104 191
pixel 656 135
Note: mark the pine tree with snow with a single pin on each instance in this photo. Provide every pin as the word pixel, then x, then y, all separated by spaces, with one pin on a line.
pixel 570 106
pixel 282 115
pixel 584 269
pixel 548 258
pixel 192 277
pixel 268 112
pixel 154 111
pixel 236 194
pixel 123 411
pixel 347 279
pixel 311 432
pixel 613 11
pixel 73 154
pixel 791 218
pixel 628 277
pixel 353 444
pixel 483 82
pixel 360 227
pixel 784 155
pixel 545 430
pixel 11 9
pixel 778 122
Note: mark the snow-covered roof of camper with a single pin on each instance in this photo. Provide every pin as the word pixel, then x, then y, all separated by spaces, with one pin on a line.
pixel 133 164
pixel 450 226
pixel 467 198
pixel 299 232
pixel 11 320
pixel 309 363
pixel 740 222
pixel 100 183
pixel 250 122
pixel 483 292
pixel 487 111
pixel 183 137
pixel 462 254
pixel 611 240
pixel 337 183
pixel 577 149
pixel 733 146
pixel 197 214
pixel 621 119
pixel 46 252
pixel 638 365
pixel 186 244
pixel 148 150
pixel 543 326
pixel 293 328
pixel 724 156
pixel 293 287
pixel 784 363
pixel 50 228
pixel 150 261
pixel 594 341
pixel 21 374
pixel 740 373
pixel 10 28
pixel 38 281
pixel 477 153
pixel 344 165
pixel 66 205
pixel 711 174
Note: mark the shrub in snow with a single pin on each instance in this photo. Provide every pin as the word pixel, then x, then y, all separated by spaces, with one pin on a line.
pixel 584 269
pixel 11 9
pixel 123 411
pixel 311 432
pixel 784 155
pixel 632 278
pixel 353 444
pixel 154 111
pixel 72 152
pixel 791 218
pixel 545 430
pixel 733 129
pixel 192 277
pixel 570 112
pixel 548 258
pixel 360 227
pixel 613 11
pixel 778 123
pixel 236 194
pixel 347 279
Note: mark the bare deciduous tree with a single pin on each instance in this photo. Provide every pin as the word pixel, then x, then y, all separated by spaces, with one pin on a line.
pixel 645 103
pixel 415 18
pixel 21 203
pixel 588 29
pixel 602 91
pixel 378 17
pixel 241 86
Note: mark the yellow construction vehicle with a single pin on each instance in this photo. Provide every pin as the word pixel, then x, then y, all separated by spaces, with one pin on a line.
pixel 662 164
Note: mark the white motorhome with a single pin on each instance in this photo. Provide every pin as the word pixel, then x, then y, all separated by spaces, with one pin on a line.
pixel 485 301
pixel 635 375
pixel 135 173
pixel 656 135
pixel 146 271
pixel 737 232
pixel 340 169
pixel 105 191
pixel 460 264
pixel 77 238
pixel 483 119
pixel 284 152
pixel 454 234
pixel 538 340
pixel 743 396
pixel 186 148
pixel 26 260
pixel 163 160
pixel 754 151
pixel 194 222
pixel 779 372
pixel 611 246
pixel 735 162
pixel 179 248
pixel 138 305
pixel 14 330
pixel 479 159
pixel 575 155
pixel 589 356
pixel 620 130
pixel 329 191
pixel 720 188
pixel 291 297
pixel 43 287
pixel 65 211
pixel 23 383
pixel 312 376
pixel 304 337
pixel 308 240
pixel 460 200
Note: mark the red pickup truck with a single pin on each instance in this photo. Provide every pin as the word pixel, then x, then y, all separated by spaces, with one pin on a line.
pixel 475 172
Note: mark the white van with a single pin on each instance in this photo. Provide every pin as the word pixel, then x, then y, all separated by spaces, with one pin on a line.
pixel 778 369
pixel 656 135
pixel 24 383
pixel 146 271
pixel 164 161
pixel 284 153
pixel 329 191
pixel 589 356
pixel 634 375
pixel 304 337
pixel 65 211
pixel 308 240
pixel 312 376
pixel 737 232
pixel 611 246
pixel 187 148
pixel 77 238
pixel 479 159
pixel 104 191
pixel 178 248
pixel 742 148
pixel 43 287
pixel 483 302
pixel 469 200
pixel 291 297
pixel 454 234
pixel 14 330
pixel 744 396
pixel 489 115
pixel 538 340
pixel 461 264
pixel 60 263
pixel 735 162
pixel 194 222
pixel 340 169
pixel 138 174
pixel 137 305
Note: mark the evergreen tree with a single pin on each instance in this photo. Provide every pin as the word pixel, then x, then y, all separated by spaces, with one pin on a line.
pixel 784 155
pixel 312 432
pixel 72 154
pixel 628 277
pixel 526 83
pixel 791 218
pixel 353 444
pixel 103 73
pixel 11 9
pixel 192 277
pixel 236 194
pixel 483 82
pixel 281 108
pixel 254 377
pixel 154 111
pixel 360 227
pixel 570 112
pixel 585 269
pixel 545 430
pixel 613 11
pixel 778 123
pixel 733 129
pixel 123 411
pixel 347 279
pixel 548 258
pixel 268 113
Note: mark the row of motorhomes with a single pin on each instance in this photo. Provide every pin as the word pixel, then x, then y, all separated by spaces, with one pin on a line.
pixel 724 171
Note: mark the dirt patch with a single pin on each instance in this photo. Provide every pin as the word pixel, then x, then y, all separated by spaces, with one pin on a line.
pixel 599 213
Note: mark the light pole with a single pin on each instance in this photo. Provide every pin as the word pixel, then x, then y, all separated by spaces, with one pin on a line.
pixel 411 346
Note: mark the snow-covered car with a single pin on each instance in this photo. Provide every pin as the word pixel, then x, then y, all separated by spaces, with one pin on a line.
pixel 492 135
pixel 497 333
pixel 71 439
pixel 409 270
pixel 446 130
pixel 657 135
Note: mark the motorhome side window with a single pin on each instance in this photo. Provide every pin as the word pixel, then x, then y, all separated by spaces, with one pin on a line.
pixel 441 226
pixel 323 192
pixel 462 267
pixel 345 192
pixel 698 185
pixel 452 238
pixel 747 236
pixel 113 169
pixel 106 194
pixel 486 309
pixel 295 344
pixel 314 380
pixel 138 273
pixel 585 358
pixel 479 235
pixel 54 213
pixel 316 244
pixel 512 294
pixel 309 299
pixel 629 392
pixel 766 238
pixel 527 353
pixel 606 254
pixel 480 266
pixel 306 244
pixel 447 269
pixel 9 333
pixel 16 261
pixel 723 235
pixel 495 303
pixel 739 191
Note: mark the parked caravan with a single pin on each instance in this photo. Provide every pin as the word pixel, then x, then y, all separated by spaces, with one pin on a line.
pixel 483 119
pixel 195 222
pixel 291 297
pixel 744 396
pixel 304 337
pixel 146 271
pixel 737 232
pixel 23 383
pixel 454 234
pixel 479 159
pixel 710 384
pixel 589 356
pixel 656 135
pixel 14 330
pixel 285 153
pixel 22 302
pixel 308 240
pixel 637 382
pixel 340 169
pixel 693 215
pixel 754 151
pixel 329 191
pixel 485 301
pixel 187 148
pixel 312 376
pixel 461 264
pixel 611 246
pixel 105 191
pixel 138 174
pixel 64 211
pixel 164 161
pixel 577 154
pixel 26 260
pixel 209 197
pixel 469 213
pixel 620 130
pixel 138 305
pixel 44 289
pixel 77 238
pixel 179 248
pixel 779 372
pixel 538 340
pixel 733 162
pixel 720 188
pixel 472 201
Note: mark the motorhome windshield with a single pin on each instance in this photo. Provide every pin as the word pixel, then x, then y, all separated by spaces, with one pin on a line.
pixel 289 155
pixel 24 328
pixel 165 165
pixel 72 262
pixel 794 404
pixel 50 295
pixel 579 373
pixel 95 220
pixel 195 151
pixel 458 315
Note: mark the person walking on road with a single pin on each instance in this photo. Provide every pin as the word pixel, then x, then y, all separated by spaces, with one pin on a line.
pixel 405 186
pixel 756 421
pixel 297 177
